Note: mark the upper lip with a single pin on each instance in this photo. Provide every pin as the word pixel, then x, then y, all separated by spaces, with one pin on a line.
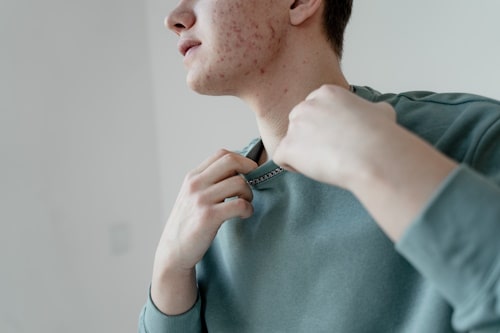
pixel 185 44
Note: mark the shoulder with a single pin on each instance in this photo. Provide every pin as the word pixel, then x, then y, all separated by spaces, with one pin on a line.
pixel 456 123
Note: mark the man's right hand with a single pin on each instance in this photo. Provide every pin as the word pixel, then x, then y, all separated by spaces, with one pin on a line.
pixel 199 211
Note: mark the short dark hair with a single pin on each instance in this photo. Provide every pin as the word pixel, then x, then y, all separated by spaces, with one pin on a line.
pixel 335 18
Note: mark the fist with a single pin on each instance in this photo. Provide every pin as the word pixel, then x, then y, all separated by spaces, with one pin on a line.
pixel 332 134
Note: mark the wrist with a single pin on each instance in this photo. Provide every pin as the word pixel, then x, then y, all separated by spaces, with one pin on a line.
pixel 174 291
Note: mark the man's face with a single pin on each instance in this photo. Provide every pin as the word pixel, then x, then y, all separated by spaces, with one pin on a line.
pixel 228 45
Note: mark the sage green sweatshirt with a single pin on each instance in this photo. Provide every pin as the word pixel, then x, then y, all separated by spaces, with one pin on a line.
pixel 311 259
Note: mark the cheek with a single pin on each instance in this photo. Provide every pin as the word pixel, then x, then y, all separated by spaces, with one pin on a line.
pixel 247 41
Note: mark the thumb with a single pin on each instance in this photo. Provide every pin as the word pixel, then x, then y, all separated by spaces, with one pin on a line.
pixel 387 110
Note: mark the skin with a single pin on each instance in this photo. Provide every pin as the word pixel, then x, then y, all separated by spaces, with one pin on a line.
pixel 238 38
pixel 275 56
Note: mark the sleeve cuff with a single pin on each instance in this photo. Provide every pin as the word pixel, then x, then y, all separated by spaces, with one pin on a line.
pixel 156 321
pixel 455 240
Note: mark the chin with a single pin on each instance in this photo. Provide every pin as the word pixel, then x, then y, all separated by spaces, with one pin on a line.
pixel 209 87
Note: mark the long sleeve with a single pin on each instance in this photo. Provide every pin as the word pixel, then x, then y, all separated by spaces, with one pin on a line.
pixel 456 244
pixel 153 320
pixel 455 241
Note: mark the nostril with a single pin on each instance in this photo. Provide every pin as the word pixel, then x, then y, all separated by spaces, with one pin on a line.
pixel 180 19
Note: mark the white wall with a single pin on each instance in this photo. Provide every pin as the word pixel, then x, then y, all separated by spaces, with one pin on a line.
pixel 98 128
pixel 444 45
pixel 79 180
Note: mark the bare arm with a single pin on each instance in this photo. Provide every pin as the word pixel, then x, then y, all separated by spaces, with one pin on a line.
pixel 196 217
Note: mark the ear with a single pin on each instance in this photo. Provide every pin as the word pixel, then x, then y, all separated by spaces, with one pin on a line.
pixel 301 10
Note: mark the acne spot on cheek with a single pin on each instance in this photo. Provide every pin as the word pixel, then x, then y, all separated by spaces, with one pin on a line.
pixel 262 71
pixel 285 91
pixel 235 27
pixel 258 36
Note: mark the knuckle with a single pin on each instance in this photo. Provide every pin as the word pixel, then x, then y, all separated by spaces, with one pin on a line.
pixel 240 182
pixel 206 214
pixel 298 111
pixel 387 109
pixel 333 89
pixel 221 152
pixel 241 204
pixel 189 176
pixel 326 88
pixel 200 199
pixel 231 161
pixel 193 183
pixel 228 157
pixel 246 192
pixel 387 106
pixel 250 194
pixel 245 208
pixel 295 112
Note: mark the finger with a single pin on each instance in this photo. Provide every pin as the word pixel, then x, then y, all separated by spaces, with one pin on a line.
pixel 326 88
pixel 226 166
pixel 236 207
pixel 387 110
pixel 210 160
pixel 314 94
pixel 295 113
pixel 235 186
pixel 329 89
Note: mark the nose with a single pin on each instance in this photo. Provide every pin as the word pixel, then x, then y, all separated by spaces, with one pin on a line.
pixel 180 19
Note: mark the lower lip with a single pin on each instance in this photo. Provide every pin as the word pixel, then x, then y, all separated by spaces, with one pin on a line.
pixel 190 51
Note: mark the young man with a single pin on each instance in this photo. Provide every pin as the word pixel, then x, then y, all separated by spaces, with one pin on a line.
pixel 353 212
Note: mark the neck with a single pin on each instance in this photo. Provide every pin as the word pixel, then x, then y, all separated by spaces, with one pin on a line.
pixel 287 83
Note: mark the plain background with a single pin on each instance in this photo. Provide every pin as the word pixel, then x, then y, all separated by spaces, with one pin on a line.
pixel 98 128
